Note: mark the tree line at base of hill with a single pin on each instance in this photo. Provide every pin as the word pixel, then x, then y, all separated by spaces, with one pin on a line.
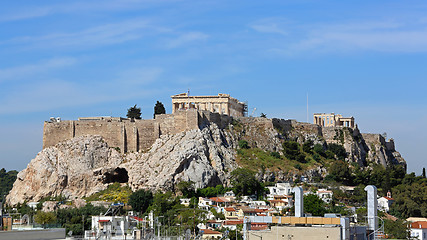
pixel 7 178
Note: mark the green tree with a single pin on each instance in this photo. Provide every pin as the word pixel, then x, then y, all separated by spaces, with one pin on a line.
pixel 6 181
pixel 73 218
pixel 134 112
pixel 245 183
pixel 319 150
pixel 164 202
pixel 44 218
pixel 159 108
pixel 140 200
pixel 308 146
pixel 291 150
pixel 275 155
pixel 187 188
pixel 361 214
pixel 410 197
pixel 339 172
pixel 243 144
pixel 396 229
pixel 211 191
pixel 338 150
pixel 314 205
pixel 424 172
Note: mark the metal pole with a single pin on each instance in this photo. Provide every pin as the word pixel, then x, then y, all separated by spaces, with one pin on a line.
pixel 83 221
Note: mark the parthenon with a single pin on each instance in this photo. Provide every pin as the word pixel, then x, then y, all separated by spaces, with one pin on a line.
pixel 332 120
pixel 223 104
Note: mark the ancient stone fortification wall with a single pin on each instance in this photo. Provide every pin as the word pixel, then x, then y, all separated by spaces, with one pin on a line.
pixel 131 135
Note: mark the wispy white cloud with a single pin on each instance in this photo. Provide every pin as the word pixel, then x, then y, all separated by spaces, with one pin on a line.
pixel 27 11
pixel 100 35
pixel 49 94
pixel 30 70
pixel 139 76
pixel 377 36
pixel 186 38
pixel 55 93
pixel 381 35
pixel 25 14
pixel 271 25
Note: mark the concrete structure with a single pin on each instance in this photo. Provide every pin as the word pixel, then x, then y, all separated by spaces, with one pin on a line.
pixel 185 201
pixel 372 207
pixel 210 234
pixel 325 195
pixel 299 201
pixel 131 135
pixel 230 213
pixel 384 203
pixel 280 189
pixel 297 233
pixel 232 224
pixel 416 219
pixel 52 233
pixel 332 120
pixel 419 230
pixel 205 203
pixel 107 226
pixel 222 104
pixel 306 228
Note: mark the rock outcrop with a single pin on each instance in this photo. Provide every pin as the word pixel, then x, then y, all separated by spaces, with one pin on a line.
pixel 84 165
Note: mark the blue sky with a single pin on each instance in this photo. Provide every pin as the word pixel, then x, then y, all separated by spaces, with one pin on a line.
pixel 68 59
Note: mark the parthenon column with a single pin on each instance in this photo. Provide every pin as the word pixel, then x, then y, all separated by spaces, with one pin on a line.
pixel 227 109
pixel 220 108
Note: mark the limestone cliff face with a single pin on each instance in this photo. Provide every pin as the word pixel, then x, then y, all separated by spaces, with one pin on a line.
pixel 66 168
pixel 84 165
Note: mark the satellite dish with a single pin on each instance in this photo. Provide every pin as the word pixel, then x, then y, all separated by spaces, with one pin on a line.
pixel 70 233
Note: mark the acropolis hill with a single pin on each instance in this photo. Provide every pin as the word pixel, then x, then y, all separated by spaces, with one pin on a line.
pixel 189 112
pixel 199 141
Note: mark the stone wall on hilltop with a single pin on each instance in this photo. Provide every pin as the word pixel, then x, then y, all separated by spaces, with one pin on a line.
pixel 206 154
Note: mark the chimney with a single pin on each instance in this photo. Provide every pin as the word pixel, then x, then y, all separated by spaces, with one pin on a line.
pixel 389 194
pixel 299 201
pixel 372 207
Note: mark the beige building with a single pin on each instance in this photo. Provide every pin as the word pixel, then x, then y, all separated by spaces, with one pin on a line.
pixel 332 120
pixel 222 103
pixel 297 233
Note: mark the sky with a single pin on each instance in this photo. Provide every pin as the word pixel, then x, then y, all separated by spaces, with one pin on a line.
pixel 70 59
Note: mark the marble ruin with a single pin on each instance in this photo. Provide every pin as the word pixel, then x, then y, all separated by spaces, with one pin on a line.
pixel 222 104
pixel 133 135
pixel 332 120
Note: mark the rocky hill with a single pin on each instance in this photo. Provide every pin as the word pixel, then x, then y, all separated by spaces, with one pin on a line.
pixel 84 165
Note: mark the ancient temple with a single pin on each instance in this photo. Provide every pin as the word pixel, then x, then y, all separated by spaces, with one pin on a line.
pixel 222 103
pixel 332 120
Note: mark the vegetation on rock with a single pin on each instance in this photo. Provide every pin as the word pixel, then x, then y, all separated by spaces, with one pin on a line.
pixel 134 112
pixel 114 193
pixel 44 218
pixel 74 218
pixel 140 200
pixel 159 108
pixel 6 181
pixel 244 183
